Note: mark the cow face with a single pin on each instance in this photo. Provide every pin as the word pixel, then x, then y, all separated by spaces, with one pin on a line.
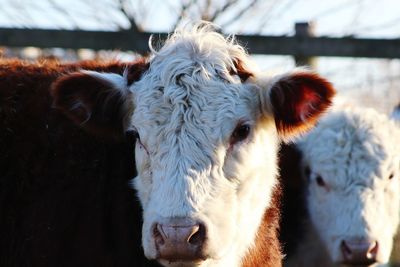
pixel 352 167
pixel 207 131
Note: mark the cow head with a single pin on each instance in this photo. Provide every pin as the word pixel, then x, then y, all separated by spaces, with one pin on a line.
pixel 208 129
pixel 352 166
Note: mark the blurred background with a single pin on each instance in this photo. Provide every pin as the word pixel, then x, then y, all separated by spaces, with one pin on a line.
pixel 354 43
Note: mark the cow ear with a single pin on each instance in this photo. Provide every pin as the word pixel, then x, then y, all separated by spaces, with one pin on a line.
pixel 99 102
pixel 296 100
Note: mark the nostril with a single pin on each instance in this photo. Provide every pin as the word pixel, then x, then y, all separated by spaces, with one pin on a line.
pixel 198 235
pixel 373 250
pixel 180 239
pixel 345 249
pixel 158 235
pixel 193 233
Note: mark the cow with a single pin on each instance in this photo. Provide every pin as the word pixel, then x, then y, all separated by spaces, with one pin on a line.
pixel 64 199
pixel 206 126
pixel 341 191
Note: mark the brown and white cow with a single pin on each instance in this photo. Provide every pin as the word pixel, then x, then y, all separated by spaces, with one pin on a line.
pixel 208 127
pixel 341 191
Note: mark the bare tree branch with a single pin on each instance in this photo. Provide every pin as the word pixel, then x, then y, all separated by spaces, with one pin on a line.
pixel 124 8
pixel 267 17
pixel 220 11
pixel 183 12
pixel 240 13
pixel 64 11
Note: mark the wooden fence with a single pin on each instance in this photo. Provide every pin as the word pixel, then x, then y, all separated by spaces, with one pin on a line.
pixel 299 45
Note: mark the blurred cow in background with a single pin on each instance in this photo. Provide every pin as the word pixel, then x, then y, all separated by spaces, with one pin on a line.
pixel 346 174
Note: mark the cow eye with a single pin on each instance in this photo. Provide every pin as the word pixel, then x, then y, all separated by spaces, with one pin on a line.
pixel 320 181
pixel 391 176
pixel 240 133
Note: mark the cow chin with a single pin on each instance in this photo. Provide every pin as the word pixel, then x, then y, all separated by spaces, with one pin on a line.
pixel 221 230
pixel 217 250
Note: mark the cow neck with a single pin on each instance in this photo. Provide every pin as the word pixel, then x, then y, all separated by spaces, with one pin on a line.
pixel 266 251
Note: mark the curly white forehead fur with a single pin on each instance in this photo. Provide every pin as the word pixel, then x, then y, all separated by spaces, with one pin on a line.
pixel 200 48
pixel 349 137
pixel 355 155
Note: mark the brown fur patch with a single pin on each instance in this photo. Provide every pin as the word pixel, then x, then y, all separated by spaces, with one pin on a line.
pixel 298 101
pixel 241 71
pixel 267 251
pixel 136 70
pixel 64 199
pixel 91 103
pixel 94 103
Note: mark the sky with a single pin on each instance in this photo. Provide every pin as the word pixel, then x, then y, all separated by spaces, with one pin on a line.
pixel 371 82
pixel 362 18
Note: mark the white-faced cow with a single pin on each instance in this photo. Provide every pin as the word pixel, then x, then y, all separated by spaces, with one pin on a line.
pixel 348 180
pixel 208 126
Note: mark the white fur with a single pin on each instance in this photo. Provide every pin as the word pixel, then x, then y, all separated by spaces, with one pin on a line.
pixel 354 151
pixel 186 107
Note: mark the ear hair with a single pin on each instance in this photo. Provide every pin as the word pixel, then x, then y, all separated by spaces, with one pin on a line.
pixel 296 100
pixel 100 102
pixel 96 101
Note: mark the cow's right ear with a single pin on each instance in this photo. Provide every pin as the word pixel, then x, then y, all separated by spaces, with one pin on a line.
pixel 99 102
pixel 297 100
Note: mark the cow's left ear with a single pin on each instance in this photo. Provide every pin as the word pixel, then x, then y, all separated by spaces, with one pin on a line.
pixel 98 102
pixel 296 101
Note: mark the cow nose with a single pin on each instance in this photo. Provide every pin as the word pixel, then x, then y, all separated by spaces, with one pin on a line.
pixel 179 239
pixel 359 251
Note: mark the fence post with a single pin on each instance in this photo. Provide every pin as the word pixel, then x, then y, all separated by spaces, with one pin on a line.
pixel 305 29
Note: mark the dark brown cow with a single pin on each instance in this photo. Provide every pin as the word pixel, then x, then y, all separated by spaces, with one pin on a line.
pixel 64 199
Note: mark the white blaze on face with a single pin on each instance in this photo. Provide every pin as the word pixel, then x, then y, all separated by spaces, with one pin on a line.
pixel 353 181
pixel 189 111
pixel 187 107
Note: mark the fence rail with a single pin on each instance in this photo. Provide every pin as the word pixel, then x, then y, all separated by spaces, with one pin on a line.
pixel 305 46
